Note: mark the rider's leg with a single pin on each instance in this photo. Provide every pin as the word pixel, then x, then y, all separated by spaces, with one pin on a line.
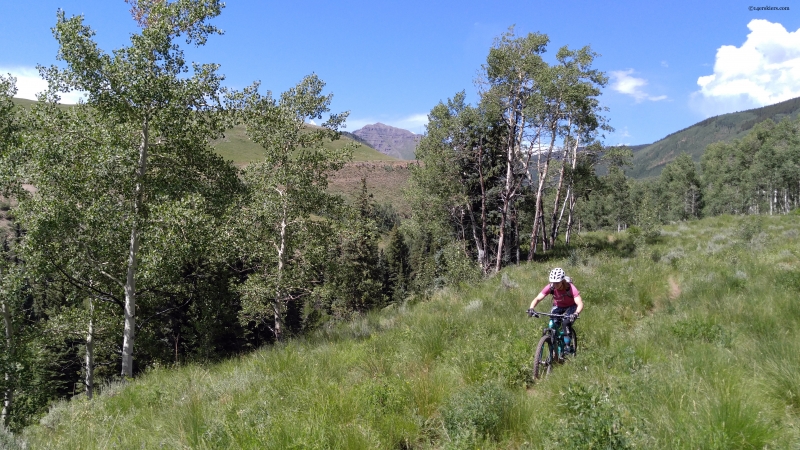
pixel 568 325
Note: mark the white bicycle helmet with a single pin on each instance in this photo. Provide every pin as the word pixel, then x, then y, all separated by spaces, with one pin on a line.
pixel 557 274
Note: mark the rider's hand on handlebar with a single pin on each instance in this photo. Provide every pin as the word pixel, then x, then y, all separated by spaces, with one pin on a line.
pixel 573 317
pixel 532 313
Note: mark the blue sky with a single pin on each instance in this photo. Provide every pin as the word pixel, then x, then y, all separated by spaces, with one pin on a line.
pixel 670 64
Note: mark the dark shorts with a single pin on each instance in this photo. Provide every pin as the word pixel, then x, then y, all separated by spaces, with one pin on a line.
pixel 566 311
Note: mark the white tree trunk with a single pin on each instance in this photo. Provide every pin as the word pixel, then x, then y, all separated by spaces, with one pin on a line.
pixel 8 395
pixel 770 200
pixel 130 279
pixel 568 233
pixel 482 260
pixel 483 248
pixel 507 199
pixel 557 223
pixel 785 201
pixel 278 306
pixel 556 218
pixel 539 214
pixel 90 353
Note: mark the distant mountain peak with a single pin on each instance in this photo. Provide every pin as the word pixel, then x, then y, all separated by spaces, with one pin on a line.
pixel 389 140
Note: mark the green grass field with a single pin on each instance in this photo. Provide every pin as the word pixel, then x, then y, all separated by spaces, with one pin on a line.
pixel 691 342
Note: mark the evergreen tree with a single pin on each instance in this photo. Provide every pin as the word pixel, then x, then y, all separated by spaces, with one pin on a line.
pixel 398 266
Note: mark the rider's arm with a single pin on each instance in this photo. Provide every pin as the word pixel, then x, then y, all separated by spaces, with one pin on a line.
pixel 538 298
pixel 579 302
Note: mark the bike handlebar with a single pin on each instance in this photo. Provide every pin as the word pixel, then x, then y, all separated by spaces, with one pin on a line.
pixel 561 316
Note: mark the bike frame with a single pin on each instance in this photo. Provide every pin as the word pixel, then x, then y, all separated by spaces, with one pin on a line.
pixel 552 329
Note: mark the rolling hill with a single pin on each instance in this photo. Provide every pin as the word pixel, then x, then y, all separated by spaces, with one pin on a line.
pixel 385 175
pixel 237 147
pixel 650 160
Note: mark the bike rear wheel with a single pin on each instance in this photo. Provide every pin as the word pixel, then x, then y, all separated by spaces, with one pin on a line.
pixel 573 344
pixel 574 341
pixel 543 359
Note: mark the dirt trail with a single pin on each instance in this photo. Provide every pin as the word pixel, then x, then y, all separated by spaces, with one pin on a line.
pixel 674 288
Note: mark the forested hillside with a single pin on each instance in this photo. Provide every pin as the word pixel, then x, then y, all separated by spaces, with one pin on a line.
pixel 650 161
pixel 136 246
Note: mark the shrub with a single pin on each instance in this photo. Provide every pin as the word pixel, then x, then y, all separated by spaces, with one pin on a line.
pixel 593 420
pixel 477 411
pixel 458 267
pixel 8 440
pixel 574 258
pixel 750 227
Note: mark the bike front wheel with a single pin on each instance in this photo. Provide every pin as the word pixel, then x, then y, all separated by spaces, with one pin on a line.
pixel 543 360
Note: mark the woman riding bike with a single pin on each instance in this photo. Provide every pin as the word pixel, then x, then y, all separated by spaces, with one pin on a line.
pixel 566 298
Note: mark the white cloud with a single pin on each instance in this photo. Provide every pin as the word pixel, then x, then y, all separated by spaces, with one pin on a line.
pixel 414 123
pixel 620 136
pixel 29 83
pixel 664 64
pixel 627 84
pixel 763 71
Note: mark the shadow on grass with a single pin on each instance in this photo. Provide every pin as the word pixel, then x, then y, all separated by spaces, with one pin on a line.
pixel 617 245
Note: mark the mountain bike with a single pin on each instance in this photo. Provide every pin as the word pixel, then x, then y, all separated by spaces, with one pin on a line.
pixel 555 344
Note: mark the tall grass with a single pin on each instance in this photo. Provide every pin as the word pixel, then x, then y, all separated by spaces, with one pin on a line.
pixel 690 342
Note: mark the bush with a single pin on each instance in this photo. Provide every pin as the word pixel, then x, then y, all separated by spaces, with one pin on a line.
pixel 458 267
pixel 8 440
pixel 750 227
pixel 593 420
pixel 477 411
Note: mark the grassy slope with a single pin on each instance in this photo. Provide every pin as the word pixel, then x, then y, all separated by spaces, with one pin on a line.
pixel 386 176
pixel 23 102
pixel 385 181
pixel 649 161
pixel 692 342
pixel 237 147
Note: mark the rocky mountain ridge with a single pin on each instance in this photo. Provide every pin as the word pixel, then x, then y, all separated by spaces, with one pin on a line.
pixel 389 140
